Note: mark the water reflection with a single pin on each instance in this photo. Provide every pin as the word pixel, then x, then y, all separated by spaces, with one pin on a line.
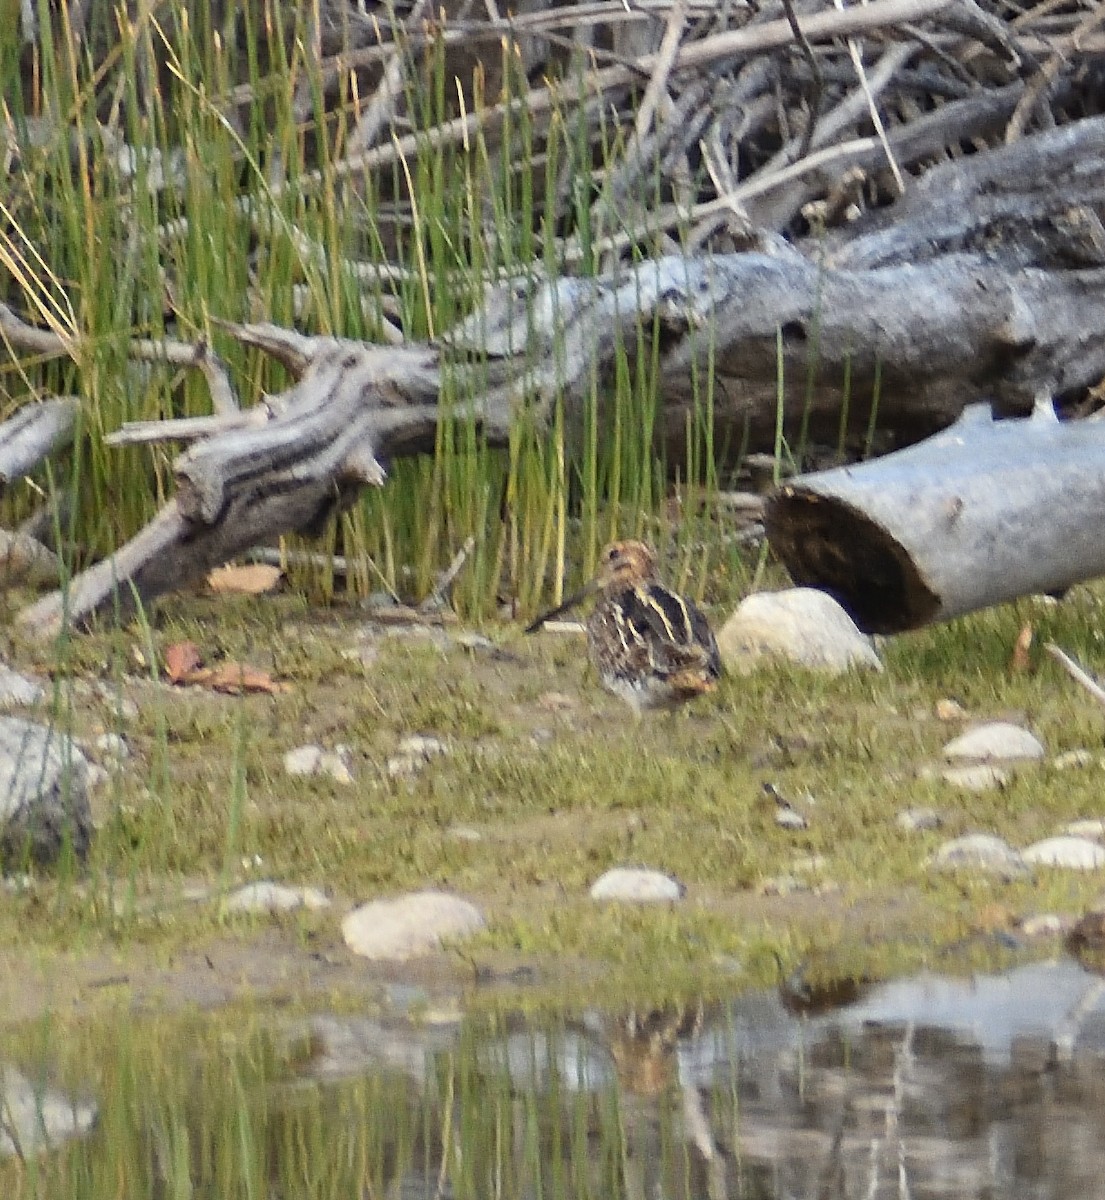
pixel 984 1087
pixel 990 1086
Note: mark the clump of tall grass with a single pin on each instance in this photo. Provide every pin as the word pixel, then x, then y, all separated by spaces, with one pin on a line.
pixel 182 171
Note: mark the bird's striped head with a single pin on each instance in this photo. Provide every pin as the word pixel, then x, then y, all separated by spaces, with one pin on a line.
pixel 625 565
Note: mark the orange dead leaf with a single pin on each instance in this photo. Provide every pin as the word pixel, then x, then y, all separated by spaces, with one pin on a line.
pixel 1021 660
pixel 183 665
pixel 236 678
pixel 250 579
pixel 181 660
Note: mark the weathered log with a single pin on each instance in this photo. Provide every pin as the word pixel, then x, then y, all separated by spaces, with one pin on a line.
pixel 982 513
pixel 939 334
pixel 34 433
pixel 1005 303
pixel 327 437
pixel 919 343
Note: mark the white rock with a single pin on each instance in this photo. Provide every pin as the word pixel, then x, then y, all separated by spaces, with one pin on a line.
pixel 408 926
pixel 1072 758
pixel 422 745
pixel 998 740
pixel 801 625
pixel 979 852
pixel 334 763
pixel 1091 828
pixel 1073 853
pixel 464 833
pixel 948 709
pixel 914 819
pixel 303 760
pixel 979 777
pixel 18 690
pixel 36 1117
pixel 413 753
pixel 1041 925
pixel 637 884
pixel 267 896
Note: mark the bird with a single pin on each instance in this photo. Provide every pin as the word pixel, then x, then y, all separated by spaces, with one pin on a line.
pixel 649 645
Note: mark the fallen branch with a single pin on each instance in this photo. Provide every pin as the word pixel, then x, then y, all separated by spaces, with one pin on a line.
pixel 33 434
pixel 1077 673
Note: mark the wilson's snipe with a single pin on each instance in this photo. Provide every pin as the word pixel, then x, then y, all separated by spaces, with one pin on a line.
pixel 649 645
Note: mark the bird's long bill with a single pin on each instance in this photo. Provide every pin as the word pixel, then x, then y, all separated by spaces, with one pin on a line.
pixel 570 603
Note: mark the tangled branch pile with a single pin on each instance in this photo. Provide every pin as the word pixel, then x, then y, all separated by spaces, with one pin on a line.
pixel 895 205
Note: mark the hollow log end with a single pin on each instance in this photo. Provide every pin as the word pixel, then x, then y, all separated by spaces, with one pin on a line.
pixel 827 544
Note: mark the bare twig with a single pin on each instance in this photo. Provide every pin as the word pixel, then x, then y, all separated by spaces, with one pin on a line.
pixel 1077 673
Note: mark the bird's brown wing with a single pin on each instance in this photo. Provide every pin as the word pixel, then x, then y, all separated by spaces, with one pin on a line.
pixel 675 631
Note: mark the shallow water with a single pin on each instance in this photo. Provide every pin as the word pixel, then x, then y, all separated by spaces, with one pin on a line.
pixel 991 1086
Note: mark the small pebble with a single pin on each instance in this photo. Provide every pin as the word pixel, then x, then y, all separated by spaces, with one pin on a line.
pixel 422 744
pixel 413 753
pixel 308 761
pixel 335 764
pixel 366 654
pixel 636 884
pixel 913 820
pixel 979 778
pixel 409 926
pixel 998 740
pixel 1040 925
pixel 979 852
pixel 303 760
pixel 268 897
pixel 464 833
pixel 1072 758
pixel 1092 828
pixel 1073 853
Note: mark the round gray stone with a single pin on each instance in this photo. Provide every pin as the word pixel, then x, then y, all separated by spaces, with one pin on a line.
pixel 982 852
pixel 637 885
pixel 1073 853
pixel 409 926
pixel 998 741
pixel 912 820
pixel 802 626
pixel 1089 827
pixel 43 792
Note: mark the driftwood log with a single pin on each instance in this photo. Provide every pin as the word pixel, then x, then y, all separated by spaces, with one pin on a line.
pixel 835 218
pixel 982 513
pixel 922 340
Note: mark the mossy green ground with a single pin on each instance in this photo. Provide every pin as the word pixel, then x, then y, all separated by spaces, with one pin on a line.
pixel 548 782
